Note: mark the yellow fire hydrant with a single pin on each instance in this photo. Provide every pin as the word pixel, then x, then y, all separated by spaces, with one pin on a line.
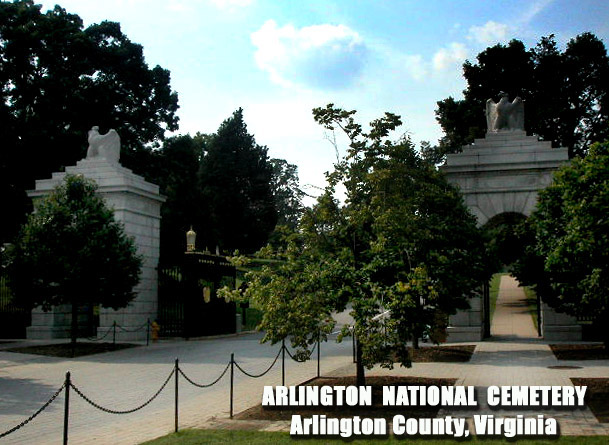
pixel 155 331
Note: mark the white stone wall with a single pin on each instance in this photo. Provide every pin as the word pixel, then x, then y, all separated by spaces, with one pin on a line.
pixel 137 204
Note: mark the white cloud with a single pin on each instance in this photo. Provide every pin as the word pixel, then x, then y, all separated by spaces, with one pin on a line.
pixel 533 9
pixel 322 56
pixel 489 33
pixel 450 57
pixel 415 66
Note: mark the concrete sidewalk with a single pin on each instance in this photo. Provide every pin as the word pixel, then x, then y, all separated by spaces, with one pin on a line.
pixel 124 379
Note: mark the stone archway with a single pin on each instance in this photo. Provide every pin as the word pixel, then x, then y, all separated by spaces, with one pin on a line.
pixel 501 173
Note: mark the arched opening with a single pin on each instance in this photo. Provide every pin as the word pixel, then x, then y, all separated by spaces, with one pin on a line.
pixel 504 238
pixel 507 241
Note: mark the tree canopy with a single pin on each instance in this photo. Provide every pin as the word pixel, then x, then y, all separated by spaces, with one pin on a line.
pixel 566 93
pixel 401 248
pixel 174 167
pixel 197 175
pixel 57 80
pixel 236 184
pixel 568 258
pixel 71 250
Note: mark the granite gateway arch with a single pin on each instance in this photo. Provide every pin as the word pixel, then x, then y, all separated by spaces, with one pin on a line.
pixel 503 173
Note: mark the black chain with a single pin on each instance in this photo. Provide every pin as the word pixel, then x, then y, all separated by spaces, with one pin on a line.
pixel 100 338
pixel 259 375
pixel 42 408
pixel 132 330
pixel 129 411
pixel 198 385
pixel 306 357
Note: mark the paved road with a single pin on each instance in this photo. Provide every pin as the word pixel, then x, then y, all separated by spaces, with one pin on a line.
pixel 124 379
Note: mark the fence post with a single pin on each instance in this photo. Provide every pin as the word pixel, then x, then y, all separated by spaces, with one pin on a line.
pixel 176 394
pixel 232 379
pixel 318 352
pixel 114 333
pixel 353 342
pixel 283 362
pixel 66 411
pixel 148 332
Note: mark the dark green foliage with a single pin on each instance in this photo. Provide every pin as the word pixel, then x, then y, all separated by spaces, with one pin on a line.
pixel 504 237
pixel 175 170
pixel 566 93
pixel 288 196
pixel 568 260
pixel 57 80
pixel 235 181
pixel 71 250
pixel 200 180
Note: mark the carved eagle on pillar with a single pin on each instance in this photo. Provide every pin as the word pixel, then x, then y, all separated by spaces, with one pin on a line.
pixel 504 115
pixel 106 146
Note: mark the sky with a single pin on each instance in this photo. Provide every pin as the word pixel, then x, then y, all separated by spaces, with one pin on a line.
pixel 278 59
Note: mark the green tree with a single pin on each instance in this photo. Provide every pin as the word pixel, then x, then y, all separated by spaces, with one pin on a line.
pixel 401 248
pixel 57 80
pixel 175 168
pixel 71 250
pixel 566 93
pixel 287 192
pixel 568 262
pixel 235 180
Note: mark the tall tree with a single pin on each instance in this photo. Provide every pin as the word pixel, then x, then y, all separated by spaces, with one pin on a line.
pixel 71 250
pixel 568 259
pixel 57 80
pixel 400 249
pixel 287 192
pixel 566 93
pixel 235 180
pixel 175 169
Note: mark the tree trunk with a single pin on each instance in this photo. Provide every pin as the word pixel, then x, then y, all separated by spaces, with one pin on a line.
pixel 415 337
pixel 605 319
pixel 74 330
pixel 360 371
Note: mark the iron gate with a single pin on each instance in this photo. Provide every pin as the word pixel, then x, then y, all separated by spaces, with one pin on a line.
pixel 13 318
pixel 188 304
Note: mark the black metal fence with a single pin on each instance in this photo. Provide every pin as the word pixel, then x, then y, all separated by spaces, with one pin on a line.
pixel 13 318
pixel 176 372
pixel 188 302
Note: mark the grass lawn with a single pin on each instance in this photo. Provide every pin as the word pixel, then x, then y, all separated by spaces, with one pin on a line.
pixel 236 437
pixel 494 291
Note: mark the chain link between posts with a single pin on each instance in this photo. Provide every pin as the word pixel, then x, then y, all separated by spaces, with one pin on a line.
pixel 200 385
pixel 41 409
pixel 102 337
pixel 145 325
pixel 128 411
pixel 255 376
pixel 176 371
pixel 306 356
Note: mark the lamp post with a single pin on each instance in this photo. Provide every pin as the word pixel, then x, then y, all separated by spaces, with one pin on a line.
pixel 191 237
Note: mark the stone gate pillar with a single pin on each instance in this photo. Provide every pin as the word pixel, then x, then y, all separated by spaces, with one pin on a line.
pixel 137 204
pixel 502 173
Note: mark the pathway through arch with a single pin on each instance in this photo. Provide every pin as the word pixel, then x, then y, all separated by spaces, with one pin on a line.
pixel 512 318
